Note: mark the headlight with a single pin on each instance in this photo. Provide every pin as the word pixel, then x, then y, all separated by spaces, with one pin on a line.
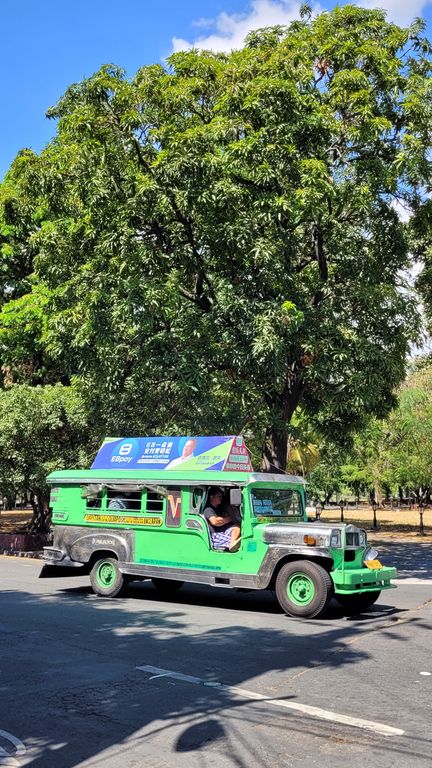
pixel 370 554
pixel 335 539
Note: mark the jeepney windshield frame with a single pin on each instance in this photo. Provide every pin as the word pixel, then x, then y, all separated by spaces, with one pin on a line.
pixel 276 488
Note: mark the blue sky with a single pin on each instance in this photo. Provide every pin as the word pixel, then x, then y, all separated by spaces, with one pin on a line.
pixel 46 45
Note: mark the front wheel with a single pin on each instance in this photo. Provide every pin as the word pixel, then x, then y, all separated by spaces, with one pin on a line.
pixel 353 604
pixel 303 589
pixel 106 578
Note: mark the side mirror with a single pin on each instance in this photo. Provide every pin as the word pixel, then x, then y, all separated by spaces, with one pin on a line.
pixel 235 497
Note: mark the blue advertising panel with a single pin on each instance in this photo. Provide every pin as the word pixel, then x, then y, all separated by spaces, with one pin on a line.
pixel 172 453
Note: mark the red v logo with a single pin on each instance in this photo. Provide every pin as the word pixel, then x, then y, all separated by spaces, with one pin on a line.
pixel 174 505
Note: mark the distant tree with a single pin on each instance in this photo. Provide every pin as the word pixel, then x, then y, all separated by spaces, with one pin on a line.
pixel 387 455
pixel 41 429
pixel 216 239
pixel 325 480
pixel 408 456
pixel 364 468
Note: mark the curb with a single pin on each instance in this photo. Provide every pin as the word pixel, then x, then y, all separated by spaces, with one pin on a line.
pixel 23 544
pixel 18 553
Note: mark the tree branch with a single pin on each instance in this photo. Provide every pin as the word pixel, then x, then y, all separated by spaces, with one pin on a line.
pixel 318 244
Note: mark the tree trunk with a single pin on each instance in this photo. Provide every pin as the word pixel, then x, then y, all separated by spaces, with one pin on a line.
pixel 10 500
pixel 274 455
pixel 377 493
pixel 41 520
pixel 275 448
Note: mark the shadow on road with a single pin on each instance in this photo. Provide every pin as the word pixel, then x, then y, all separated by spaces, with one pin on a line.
pixel 91 682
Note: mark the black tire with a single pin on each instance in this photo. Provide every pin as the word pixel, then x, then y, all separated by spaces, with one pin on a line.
pixel 167 586
pixel 106 578
pixel 353 604
pixel 303 589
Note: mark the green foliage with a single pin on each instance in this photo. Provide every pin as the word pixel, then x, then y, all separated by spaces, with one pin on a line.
pixel 409 441
pixel 41 429
pixel 216 241
pixel 387 454
pixel 19 219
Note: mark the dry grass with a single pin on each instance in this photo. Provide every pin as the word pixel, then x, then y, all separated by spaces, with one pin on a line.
pixel 394 523
pixel 12 521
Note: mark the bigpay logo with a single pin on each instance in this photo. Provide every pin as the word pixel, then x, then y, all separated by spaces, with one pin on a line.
pixel 125 449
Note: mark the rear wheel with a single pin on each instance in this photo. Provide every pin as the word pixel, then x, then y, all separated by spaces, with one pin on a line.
pixel 353 604
pixel 167 586
pixel 303 589
pixel 106 578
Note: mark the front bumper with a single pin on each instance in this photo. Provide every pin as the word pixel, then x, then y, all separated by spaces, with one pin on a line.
pixel 363 580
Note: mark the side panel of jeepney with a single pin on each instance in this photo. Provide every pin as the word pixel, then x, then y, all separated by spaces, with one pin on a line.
pixel 67 505
pixel 182 541
pixel 168 530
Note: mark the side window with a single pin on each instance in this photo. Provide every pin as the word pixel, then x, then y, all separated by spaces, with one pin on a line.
pixel 173 508
pixel 276 502
pixel 123 500
pixel 92 495
pixel 197 497
pixel 94 502
pixel 154 503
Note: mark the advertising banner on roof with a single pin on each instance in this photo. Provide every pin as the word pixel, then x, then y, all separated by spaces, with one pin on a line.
pixel 186 453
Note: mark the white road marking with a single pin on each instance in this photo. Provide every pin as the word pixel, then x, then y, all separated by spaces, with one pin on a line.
pixel 412 580
pixel 7 760
pixel 322 714
pixel 18 748
pixel 426 673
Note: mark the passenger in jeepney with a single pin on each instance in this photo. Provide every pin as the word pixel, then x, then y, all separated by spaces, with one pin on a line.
pixel 230 510
pixel 117 501
pixel 124 500
pixel 224 530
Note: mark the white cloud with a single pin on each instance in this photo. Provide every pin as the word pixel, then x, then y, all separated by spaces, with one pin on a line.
pixel 400 11
pixel 402 209
pixel 230 30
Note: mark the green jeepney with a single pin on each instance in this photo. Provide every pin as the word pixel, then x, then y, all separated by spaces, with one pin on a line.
pixel 124 524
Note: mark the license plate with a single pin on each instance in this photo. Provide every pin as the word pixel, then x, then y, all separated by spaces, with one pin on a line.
pixel 374 565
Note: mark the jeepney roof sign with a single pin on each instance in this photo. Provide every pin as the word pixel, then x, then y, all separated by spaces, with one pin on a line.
pixel 226 453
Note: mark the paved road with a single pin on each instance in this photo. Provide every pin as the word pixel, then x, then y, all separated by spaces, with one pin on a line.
pixel 212 678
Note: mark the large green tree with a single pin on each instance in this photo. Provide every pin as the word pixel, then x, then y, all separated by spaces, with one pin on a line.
pixel 219 242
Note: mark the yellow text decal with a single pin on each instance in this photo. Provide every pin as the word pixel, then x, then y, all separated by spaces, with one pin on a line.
pixel 125 520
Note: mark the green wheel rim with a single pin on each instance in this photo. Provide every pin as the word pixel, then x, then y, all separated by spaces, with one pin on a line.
pixel 300 589
pixel 106 574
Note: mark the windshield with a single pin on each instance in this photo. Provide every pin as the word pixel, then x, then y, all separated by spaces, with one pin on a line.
pixel 276 502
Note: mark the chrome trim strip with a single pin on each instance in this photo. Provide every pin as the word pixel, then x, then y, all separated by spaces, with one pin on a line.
pixel 194 524
pixel 191 575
